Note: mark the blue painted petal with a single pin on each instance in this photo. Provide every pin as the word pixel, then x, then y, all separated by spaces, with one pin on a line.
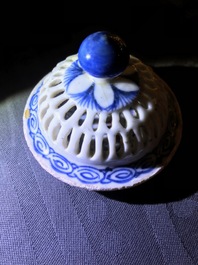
pixel 79 84
pixel 71 73
pixel 86 98
pixel 104 95
pixel 125 84
pixel 122 98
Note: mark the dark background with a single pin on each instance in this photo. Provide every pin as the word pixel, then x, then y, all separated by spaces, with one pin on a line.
pixel 34 38
pixel 155 30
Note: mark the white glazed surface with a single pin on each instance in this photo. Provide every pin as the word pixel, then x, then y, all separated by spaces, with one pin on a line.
pixel 72 160
pixel 105 138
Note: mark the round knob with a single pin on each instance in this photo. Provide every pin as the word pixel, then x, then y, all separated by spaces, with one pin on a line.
pixel 103 55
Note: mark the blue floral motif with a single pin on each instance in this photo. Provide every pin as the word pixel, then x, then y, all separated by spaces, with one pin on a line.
pixel 40 144
pixel 90 92
pixel 86 174
pixel 120 176
pixel 73 71
pixel 59 163
pixel 33 123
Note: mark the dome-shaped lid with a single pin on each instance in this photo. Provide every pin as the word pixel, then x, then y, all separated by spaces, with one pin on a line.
pixel 102 118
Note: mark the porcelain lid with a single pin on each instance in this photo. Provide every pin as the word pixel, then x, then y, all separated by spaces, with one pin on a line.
pixel 101 110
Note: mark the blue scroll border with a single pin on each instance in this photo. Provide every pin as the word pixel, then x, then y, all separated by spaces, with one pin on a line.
pixel 89 174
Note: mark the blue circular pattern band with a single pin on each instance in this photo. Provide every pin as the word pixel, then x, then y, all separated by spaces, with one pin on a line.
pixel 93 175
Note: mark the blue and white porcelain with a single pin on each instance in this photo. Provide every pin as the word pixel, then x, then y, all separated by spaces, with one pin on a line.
pixel 102 119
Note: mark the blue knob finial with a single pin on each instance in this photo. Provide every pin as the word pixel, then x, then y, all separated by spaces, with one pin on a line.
pixel 103 54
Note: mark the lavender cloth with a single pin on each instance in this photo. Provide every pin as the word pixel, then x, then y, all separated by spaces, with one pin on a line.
pixel 44 221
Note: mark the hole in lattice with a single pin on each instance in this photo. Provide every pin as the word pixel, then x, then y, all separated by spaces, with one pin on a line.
pixel 55 83
pixel 143 134
pixel 56 131
pixel 119 145
pixel 123 121
pixel 134 113
pixel 133 142
pixel 82 118
pixel 66 139
pixel 42 89
pixel 42 99
pixel 43 111
pixel 57 74
pixel 62 103
pixel 57 93
pixel 109 121
pixel 105 147
pixel 95 122
pixel 81 142
pixel 69 113
pixel 92 147
pixel 47 122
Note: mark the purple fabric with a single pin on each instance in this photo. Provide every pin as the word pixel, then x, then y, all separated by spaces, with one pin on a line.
pixel 45 221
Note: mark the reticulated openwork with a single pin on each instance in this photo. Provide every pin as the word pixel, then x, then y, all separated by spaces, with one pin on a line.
pixel 101 119
pixel 103 122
